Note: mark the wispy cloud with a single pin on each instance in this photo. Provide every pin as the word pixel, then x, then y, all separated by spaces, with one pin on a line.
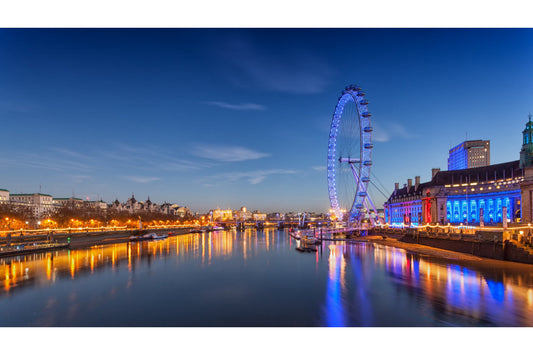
pixel 48 160
pixel 141 179
pixel 252 177
pixel 226 153
pixel 150 158
pixel 238 107
pixel 319 168
pixel 116 156
pixel 78 179
pixel 385 132
pixel 293 71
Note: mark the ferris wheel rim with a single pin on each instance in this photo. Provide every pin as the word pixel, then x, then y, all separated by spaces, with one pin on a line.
pixel 356 95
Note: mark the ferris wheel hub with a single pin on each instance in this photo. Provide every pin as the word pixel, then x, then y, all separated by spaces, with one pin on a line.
pixel 349 160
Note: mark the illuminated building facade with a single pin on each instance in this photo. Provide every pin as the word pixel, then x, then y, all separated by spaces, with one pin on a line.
pixel 469 154
pixel 243 214
pixel 258 216
pixel 222 215
pixel 469 196
pixel 477 195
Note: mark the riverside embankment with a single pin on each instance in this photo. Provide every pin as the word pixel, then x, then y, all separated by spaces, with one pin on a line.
pixel 505 246
pixel 20 244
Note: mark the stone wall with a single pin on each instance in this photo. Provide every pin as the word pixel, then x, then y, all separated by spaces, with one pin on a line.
pixel 485 249
pixel 485 244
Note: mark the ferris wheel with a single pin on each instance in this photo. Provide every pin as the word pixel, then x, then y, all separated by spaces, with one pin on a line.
pixel 350 158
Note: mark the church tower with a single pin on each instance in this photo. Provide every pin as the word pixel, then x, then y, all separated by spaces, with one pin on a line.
pixel 526 153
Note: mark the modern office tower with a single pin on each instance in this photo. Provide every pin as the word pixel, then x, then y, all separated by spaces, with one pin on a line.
pixel 469 154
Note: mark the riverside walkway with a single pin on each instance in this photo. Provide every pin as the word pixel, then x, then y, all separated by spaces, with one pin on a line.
pixel 24 244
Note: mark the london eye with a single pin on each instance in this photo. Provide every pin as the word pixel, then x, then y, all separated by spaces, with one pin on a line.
pixel 350 158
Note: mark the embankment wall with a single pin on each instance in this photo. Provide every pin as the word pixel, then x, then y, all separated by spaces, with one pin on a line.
pixel 493 245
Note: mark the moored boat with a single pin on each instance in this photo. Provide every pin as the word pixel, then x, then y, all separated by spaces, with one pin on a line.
pixel 159 236
pixel 148 236
pixel 307 249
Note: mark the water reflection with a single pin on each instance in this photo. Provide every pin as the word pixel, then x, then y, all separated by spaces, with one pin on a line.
pixel 481 296
pixel 44 268
pixel 336 285
pixel 258 279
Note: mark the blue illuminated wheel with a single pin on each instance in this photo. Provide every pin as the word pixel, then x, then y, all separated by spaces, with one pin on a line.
pixel 350 156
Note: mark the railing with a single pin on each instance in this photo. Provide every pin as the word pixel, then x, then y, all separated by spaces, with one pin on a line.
pixel 520 234
pixel 89 229
pixel 457 228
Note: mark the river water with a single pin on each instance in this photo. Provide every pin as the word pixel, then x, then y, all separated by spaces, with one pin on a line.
pixel 257 279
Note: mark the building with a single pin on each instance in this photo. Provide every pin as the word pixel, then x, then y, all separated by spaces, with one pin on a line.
pixel 133 206
pixel 243 214
pixel 257 216
pixel 40 204
pixel 490 194
pixel 469 154
pixel 469 196
pixel 182 211
pixel 97 205
pixel 71 202
pixel 526 153
pixel 4 196
pixel 221 215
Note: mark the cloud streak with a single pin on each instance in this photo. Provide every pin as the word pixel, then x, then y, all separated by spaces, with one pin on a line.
pixel 238 107
pixel 47 161
pixel 150 158
pixel 392 130
pixel 226 153
pixel 141 179
pixel 253 177
pixel 293 71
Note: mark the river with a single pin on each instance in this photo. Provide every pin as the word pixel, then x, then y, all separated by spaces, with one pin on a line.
pixel 257 279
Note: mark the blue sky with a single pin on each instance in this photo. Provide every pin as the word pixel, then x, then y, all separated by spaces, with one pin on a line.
pixel 229 117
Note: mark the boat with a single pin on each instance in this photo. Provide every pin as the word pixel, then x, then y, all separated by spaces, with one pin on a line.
pixel 295 233
pixel 157 236
pixel 306 249
pixel 148 236
pixel 305 239
pixel 218 228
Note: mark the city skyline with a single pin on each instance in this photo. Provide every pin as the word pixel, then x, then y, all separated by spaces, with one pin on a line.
pixel 210 118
